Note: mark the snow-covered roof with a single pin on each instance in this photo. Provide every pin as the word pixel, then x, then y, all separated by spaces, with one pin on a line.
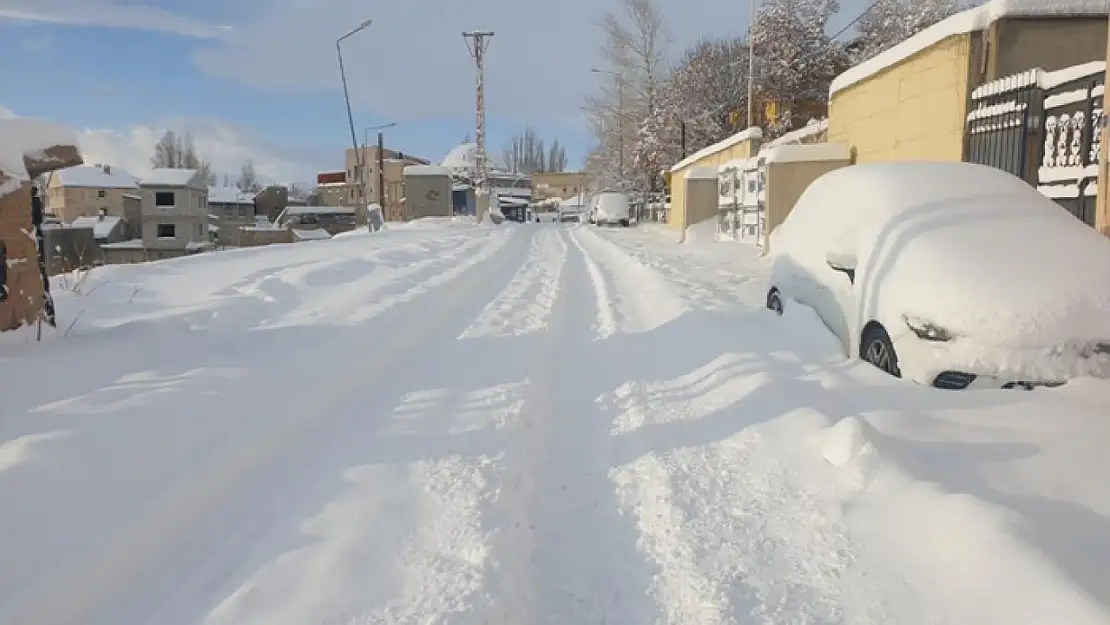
pixel 229 195
pixel 22 138
pixel 427 170
pixel 95 177
pixel 165 177
pixel 101 226
pixel 744 135
pixel 965 22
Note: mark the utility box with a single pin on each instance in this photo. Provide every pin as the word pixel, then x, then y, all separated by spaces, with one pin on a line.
pixel 427 192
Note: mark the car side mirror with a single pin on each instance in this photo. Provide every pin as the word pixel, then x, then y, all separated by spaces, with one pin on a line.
pixel 843 263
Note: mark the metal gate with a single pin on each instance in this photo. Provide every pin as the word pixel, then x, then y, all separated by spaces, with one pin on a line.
pixel 1003 112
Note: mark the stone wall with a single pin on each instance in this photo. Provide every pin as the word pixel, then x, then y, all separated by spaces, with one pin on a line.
pixel 21 295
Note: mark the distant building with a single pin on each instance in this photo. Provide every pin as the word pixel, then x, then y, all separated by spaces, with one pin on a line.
pixel 88 190
pixel 561 184
pixel 174 218
pixel 394 163
pixel 332 189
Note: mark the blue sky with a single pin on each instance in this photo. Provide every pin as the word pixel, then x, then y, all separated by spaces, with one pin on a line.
pixel 258 78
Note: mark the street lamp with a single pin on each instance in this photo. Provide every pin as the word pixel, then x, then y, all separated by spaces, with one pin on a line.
pixel 346 94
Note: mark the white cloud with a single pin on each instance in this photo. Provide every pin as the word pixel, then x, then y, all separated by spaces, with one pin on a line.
pixel 109 14
pixel 412 61
pixel 224 145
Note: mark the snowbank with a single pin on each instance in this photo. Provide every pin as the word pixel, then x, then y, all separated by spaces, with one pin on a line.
pixel 968 21
pixel 702 232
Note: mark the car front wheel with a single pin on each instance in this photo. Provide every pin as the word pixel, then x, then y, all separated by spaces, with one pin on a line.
pixel 774 301
pixel 877 349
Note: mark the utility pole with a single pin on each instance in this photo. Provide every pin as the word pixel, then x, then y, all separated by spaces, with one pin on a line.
pixel 477 42
pixel 751 63
pixel 682 137
pixel 1102 200
pixel 381 173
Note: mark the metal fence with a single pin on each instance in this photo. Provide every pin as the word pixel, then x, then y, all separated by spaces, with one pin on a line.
pixel 1044 128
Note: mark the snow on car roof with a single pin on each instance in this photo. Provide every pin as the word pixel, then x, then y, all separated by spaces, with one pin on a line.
pixel 965 22
pixel 964 245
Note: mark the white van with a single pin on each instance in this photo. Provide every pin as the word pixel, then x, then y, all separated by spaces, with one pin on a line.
pixel 611 209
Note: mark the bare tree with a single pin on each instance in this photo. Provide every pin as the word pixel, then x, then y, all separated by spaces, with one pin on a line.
pixel 889 22
pixel 175 151
pixel 248 179
pixel 167 152
pixel 635 45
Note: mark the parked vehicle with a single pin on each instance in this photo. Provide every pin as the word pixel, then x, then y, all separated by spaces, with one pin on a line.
pixel 570 216
pixel 612 209
pixel 953 275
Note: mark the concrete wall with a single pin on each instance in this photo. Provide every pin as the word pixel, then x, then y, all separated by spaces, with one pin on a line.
pixel 1019 44
pixel 253 237
pixel 69 203
pixel 785 184
pixel 915 109
pixel 189 216
pixel 427 196
pixel 676 216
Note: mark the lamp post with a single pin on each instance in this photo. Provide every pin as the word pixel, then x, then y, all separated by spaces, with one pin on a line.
pixel 346 94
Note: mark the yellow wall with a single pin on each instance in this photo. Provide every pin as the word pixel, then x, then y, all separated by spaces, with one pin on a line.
pixel 913 110
pixel 676 216
pixel 562 184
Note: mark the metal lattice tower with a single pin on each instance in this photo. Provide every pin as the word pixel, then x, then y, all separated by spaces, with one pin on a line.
pixel 477 42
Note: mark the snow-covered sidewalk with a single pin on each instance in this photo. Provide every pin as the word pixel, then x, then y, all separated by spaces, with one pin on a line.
pixel 521 424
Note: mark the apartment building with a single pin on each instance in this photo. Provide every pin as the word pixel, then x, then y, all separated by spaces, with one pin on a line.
pixel 89 191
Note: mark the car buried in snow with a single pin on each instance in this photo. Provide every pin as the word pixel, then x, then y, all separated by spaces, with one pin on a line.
pixel 953 275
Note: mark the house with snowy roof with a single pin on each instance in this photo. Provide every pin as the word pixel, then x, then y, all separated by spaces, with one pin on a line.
pixel 88 191
pixel 173 218
pixel 988 85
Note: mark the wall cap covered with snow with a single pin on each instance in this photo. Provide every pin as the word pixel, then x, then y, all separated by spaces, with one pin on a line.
pixel 747 134
pixel 807 153
pixel 427 170
pixel 965 22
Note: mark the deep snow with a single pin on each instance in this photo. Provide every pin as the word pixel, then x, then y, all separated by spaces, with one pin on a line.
pixel 450 423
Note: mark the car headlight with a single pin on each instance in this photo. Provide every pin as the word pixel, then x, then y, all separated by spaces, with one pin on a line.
pixel 927 331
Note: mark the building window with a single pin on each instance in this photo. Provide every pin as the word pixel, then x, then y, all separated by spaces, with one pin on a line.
pixel 101 193
pixel 167 231
pixel 164 198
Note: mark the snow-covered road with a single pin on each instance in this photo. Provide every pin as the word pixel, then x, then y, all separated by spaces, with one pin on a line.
pixel 534 424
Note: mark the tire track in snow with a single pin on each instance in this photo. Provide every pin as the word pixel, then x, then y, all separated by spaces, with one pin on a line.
pixel 104 577
pixel 525 304
pixel 646 301
pixel 742 526
pixel 561 553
